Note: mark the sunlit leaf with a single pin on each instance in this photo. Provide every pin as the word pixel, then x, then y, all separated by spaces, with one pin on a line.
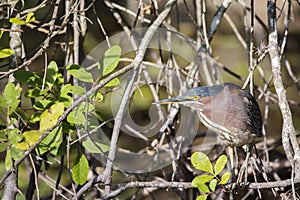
pixel 202 197
pixel 49 117
pixel 17 21
pixel 98 96
pixel 201 179
pixel 22 146
pixel 112 83
pixel 213 184
pixel 203 188
pixel 110 60
pixel 32 136
pixel 80 169
pixel 4 53
pixel 30 17
pixel 225 177
pixel 220 164
pixel 201 162
pixel 11 93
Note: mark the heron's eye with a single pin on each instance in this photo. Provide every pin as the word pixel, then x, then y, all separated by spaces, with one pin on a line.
pixel 196 97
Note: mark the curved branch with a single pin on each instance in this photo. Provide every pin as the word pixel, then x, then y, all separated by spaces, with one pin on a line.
pixel 136 64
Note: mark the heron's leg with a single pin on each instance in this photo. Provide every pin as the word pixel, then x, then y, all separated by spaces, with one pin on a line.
pixel 244 169
pixel 233 162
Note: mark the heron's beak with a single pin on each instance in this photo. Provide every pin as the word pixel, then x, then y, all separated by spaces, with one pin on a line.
pixel 178 100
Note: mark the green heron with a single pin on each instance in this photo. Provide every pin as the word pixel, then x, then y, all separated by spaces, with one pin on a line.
pixel 226 109
pixel 229 111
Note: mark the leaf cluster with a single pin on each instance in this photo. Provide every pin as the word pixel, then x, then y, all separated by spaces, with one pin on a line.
pixel 207 183
pixel 50 97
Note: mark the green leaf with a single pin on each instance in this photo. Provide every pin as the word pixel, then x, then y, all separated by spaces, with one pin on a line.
pixel 76 117
pixel 52 141
pixel 4 53
pixel 202 197
pixel 203 188
pixel 201 162
pixel 92 148
pixel 220 164
pixel 201 179
pixel 11 93
pixel 8 161
pixel 15 153
pixel 35 117
pixel 13 106
pixel 13 136
pixel 22 146
pixel 30 18
pixel 213 184
pixel 32 136
pixel 51 74
pixel 225 177
pixel 17 21
pixel 112 83
pixel 80 169
pixel 98 96
pixel 68 88
pixel 42 104
pixel 3 146
pixel 49 117
pixel 110 60
pixel 22 75
pixel 32 93
pixel 80 73
pixel 3 102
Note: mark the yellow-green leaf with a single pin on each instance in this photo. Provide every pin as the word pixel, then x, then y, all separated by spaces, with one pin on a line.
pixel 22 146
pixel 31 137
pixel 225 177
pixel 80 169
pixel 201 179
pixel 220 164
pixel 30 17
pixel 17 21
pixel 49 117
pixel 113 83
pixel 201 162
pixel 4 53
pixel 202 197
pixel 203 188
pixel 213 184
